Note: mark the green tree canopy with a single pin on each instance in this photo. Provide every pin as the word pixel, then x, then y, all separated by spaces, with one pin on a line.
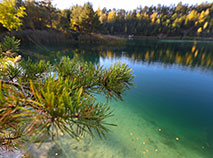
pixel 83 18
pixel 179 20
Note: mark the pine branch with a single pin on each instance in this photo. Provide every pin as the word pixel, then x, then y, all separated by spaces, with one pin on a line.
pixel 66 103
pixel 16 85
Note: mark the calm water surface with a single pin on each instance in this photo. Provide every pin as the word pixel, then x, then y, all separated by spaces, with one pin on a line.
pixel 169 114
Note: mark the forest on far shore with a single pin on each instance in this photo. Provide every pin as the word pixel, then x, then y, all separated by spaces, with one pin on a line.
pixel 175 20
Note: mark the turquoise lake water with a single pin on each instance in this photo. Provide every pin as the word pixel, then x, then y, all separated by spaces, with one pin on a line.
pixel 169 113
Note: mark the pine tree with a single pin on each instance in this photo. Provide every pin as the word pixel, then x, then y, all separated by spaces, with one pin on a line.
pixel 84 19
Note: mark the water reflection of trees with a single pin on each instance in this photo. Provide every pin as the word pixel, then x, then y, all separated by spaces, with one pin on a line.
pixel 55 53
pixel 184 54
pixel 189 54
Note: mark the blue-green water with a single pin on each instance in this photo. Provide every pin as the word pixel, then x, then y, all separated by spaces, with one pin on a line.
pixel 169 114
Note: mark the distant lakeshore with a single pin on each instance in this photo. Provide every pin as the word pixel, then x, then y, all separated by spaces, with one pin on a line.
pixel 53 36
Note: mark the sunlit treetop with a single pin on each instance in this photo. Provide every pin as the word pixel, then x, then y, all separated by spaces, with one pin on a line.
pixel 10 15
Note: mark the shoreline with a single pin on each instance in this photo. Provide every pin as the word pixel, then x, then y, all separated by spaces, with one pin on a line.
pixel 40 37
pixel 163 37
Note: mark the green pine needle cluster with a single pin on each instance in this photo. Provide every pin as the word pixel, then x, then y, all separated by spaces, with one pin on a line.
pixel 38 101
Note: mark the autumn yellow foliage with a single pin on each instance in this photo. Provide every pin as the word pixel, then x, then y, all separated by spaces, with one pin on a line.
pixel 10 15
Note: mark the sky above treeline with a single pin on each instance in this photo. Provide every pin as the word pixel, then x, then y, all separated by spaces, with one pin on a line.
pixel 123 4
